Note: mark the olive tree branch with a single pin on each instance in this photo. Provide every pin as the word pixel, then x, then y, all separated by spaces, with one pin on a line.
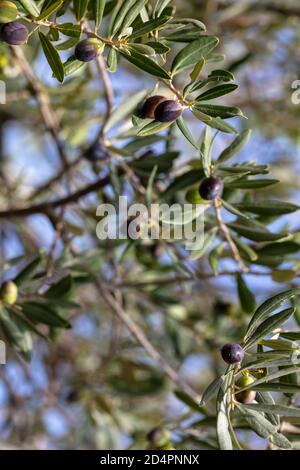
pixel 108 90
pixel 46 207
pixel 226 233
pixel 49 116
pixel 199 276
pixel 140 337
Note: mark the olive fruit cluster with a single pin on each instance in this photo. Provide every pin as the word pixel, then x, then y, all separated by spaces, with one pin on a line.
pixel 88 49
pixel 211 188
pixel 159 108
pixel 14 33
pixel 232 353
pixel 8 293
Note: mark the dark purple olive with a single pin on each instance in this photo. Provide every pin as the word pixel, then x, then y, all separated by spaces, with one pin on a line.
pixel 14 33
pixel 88 50
pixel 232 353
pixel 96 152
pixel 150 105
pixel 168 111
pixel 211 188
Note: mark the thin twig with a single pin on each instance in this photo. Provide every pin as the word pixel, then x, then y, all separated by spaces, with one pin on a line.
pixel 55 179
pixel 49 116
pixel 139 335
pixel 181 279
pixel 224 230
pixel 45 207
pixel 107 88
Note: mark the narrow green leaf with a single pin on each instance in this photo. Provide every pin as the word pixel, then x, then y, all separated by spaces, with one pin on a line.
pixel 251 184
pixel 16 333
pixel 214 257
pixel 61 288
pixel 184 181
pixel 291 335
pixel 52 57
pixel 145 63
pixel 98 10
pixel 223 412
pixel 131 15
pixel 283 275
pixel 159 47
pixel 277 387
pixel 160 6
pixel 270 306
pixel 248 253
pixel 205 151
pixel 186 132
pixel 256 234
pixel 120 14
pixel 211 390
pixel 28 271
pixel 268 326
pixel 216 92
pixel 112 60
pixel 149 26
pixel 218 111
pixel 188 400
pixel 281 410
pixel 70 29
pixel 197 69
pixel 246 169
pixel 72 65
pixel 281 441
pixel 31 7
pixel 153 128
pixel 80 8
pixel 269 207
pixel 247 299
pixel 49 7
pixel 206 243
pixel 193 52
pixel 257 422
pixel 217 123
pixel 43 313
pixel 233 210
pixel 235 147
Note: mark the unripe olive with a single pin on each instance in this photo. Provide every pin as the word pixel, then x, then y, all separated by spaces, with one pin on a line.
pixel 232 353
pixel 8 11
pixel 211 188
pixel 88 49
pixel 14 33
pixel 159 437
pixel 9 293
pixel 246 396
pixel 168 111
pixel 150 105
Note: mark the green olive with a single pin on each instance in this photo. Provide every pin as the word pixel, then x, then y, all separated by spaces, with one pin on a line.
pixel 246 396
pixel 9 293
